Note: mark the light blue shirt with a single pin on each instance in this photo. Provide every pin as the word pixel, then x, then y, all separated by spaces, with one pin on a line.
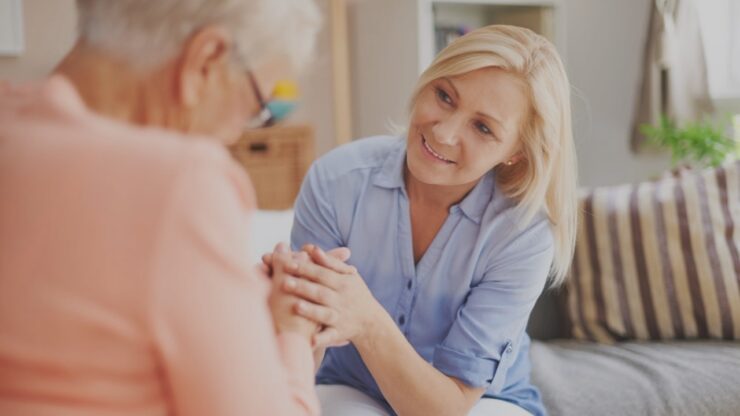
pixel 464 307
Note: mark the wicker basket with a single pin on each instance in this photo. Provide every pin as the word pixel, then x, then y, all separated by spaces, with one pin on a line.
pixel 276 159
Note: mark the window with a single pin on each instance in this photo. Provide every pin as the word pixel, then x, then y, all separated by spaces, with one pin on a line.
pixel 721 36
pixel 11 27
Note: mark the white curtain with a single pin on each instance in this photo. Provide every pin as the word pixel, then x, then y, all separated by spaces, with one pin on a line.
pixel 674 77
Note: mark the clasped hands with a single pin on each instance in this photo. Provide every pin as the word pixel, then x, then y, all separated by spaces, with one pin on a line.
pixel 317 294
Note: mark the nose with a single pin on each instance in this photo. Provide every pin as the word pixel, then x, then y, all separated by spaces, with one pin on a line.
pixel 448 131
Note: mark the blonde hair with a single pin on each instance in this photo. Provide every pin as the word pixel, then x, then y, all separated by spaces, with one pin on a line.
pixel 546 176
pixel 146 33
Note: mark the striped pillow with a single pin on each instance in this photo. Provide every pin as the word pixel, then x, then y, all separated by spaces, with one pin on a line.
pixel 659 260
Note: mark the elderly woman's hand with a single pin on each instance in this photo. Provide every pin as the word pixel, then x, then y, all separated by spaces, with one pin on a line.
pixel 333 294
pixel 282 304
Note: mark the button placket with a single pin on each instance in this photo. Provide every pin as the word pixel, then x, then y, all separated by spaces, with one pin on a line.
pixel 404 304
pixel 410 271
pixel 403 309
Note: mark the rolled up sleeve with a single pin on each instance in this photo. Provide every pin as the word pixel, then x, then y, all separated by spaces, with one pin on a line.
pixel 486 335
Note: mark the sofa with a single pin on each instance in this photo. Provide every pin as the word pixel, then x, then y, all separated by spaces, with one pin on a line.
pixel 575 377
pixel 586 359
pixel 648 322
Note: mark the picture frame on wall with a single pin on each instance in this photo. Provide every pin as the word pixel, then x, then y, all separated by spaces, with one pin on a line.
pixel 11 27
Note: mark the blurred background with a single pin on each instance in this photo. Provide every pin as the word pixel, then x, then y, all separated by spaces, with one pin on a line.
pixel 620 55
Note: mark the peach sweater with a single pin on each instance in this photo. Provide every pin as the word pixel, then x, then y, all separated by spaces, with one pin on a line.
pixel 125 287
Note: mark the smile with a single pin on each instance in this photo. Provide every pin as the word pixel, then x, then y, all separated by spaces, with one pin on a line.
pixel 433 153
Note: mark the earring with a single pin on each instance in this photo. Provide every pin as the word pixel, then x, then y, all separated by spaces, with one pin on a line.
pixel 509 163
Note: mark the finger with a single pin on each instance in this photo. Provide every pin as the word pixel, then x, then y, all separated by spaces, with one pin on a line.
pixel 317 313
pixel 315 273
pixel 329 337
pixel 301 256
pixel 280 263
pixel 267 259
pixel 293 258
pixel 264 269
pixel 310 291
pixel 281 247
pixel 280 259
pixel 340 253
pixel 321 258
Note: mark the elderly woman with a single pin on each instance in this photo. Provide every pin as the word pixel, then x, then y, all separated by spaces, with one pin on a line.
pixel 124 287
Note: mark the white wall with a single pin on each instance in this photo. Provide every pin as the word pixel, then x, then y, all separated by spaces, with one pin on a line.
pixel 604 47
pixel 316 106
pixel 604 51
pixel 383 63
pixel 49 28
pixel 718 19
pixel 605 41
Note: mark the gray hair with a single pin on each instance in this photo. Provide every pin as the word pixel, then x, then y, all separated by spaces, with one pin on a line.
pixel 146 33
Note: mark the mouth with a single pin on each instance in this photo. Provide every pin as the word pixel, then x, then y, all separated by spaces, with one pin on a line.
pixel 430 151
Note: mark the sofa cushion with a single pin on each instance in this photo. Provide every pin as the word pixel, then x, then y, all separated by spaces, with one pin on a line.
pixel 548 319
pixel 659 260
pixel 672 378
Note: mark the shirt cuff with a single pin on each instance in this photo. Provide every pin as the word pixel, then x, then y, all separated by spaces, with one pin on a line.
pixel 471 370
pixel 298 361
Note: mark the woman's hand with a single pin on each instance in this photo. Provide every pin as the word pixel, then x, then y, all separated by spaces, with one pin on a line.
pixel 334 295
pixel 340 253
pixel 322 337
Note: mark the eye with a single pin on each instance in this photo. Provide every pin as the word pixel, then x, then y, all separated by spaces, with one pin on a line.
pixel 442 95
pixel 481 127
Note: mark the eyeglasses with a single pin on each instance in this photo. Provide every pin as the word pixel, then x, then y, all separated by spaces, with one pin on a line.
pixel 264 118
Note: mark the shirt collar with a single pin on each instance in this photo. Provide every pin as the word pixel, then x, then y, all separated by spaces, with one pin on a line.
pixel 391 176
pixel 475 203
pixel 392 170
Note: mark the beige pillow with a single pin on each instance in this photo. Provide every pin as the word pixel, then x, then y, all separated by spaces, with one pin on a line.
pixel 659 260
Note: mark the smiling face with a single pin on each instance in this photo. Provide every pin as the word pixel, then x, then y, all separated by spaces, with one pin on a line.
pixel 461 127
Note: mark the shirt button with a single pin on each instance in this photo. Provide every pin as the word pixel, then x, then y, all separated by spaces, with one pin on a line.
pixel 509 349
pixel 401 319
pixel 409 284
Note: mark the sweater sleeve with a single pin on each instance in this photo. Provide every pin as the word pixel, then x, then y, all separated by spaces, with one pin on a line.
pixel 208 313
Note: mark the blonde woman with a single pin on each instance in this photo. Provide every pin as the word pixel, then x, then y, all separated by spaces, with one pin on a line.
pixel 125 284
pixel 454 230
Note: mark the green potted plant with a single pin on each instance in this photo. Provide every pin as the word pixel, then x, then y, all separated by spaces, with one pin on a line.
pixel 695 144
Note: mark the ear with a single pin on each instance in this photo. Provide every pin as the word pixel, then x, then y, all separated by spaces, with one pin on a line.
pixel 516 158
pixel 203 56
